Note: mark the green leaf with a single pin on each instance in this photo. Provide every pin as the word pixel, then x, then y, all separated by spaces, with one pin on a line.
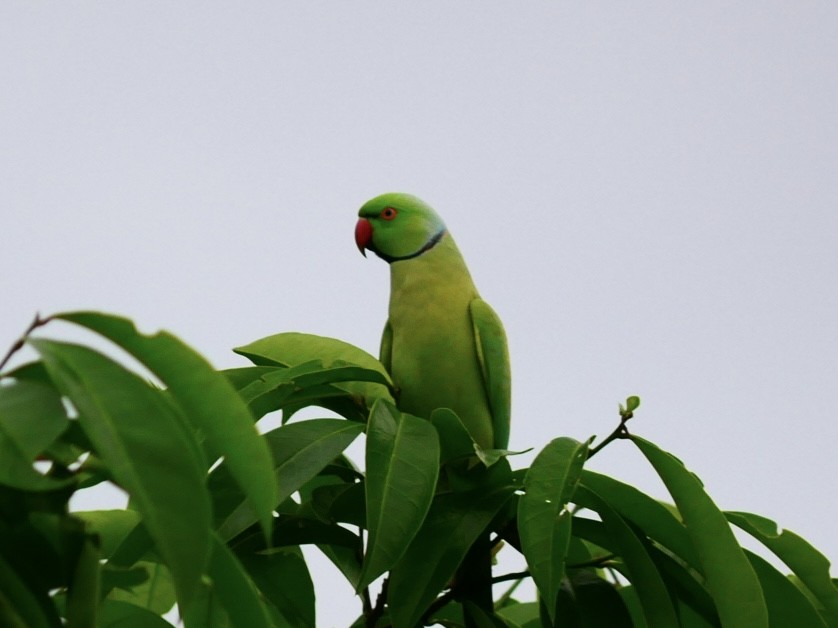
pixel 345 559
pixel 118 614
pixel 730 578
pixel 300 451
pixel 632 403
pixel 454 440
pixel 454 522
pixel 291 530
pixel 593 602
pixel 402 460
pixel 83 594
pixel 110 526
pixel 524 615
pixel 283 578
pixel 31 418
pixel 641 570
pixel 235 590
pixel 544 522
pixel 146 447
pixel 787 605
pixel 208 400
pixel 156 592
pixel 649 515
pixel 20 607
pixel 805 561
pixel 291 349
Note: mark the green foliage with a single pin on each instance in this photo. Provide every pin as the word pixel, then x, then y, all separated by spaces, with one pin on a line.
pixel 220 508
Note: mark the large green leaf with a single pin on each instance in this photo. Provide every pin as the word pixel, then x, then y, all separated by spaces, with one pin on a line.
pixel 805 561
pixel 402 461
pixel 208 400
pixel 270 388
pixel 283 578
pixel 543 519
pixel 653 595
pixel 730 578
pixel 454 522
pixel 292 349
pixel 300 451
pixel 31 418
pixel 235 589
pixel 146 447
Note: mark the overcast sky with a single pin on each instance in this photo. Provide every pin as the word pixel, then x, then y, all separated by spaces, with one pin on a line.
pixel 647 193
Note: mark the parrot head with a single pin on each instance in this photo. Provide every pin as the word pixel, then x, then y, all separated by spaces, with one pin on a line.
pixel 397 227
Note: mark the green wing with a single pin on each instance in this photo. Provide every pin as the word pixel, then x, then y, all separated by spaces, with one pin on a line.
pixel 493 356
pixel 385 353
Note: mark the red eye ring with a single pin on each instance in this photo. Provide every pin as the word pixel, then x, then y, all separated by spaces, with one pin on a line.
pixel 388 213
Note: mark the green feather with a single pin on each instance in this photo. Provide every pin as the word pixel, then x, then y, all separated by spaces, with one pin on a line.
pixel 492 353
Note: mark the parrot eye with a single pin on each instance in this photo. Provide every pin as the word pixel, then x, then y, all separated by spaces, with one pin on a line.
pixel 388 213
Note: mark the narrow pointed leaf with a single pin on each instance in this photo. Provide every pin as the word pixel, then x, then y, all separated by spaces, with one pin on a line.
pixel 651 516
pixel 283 578
pixel 208 400
pixel 805 561
pixel 300 451
pixel 730 578
pixel 402 459
pixel 544 522
pixel 787 605
pixel 655 602
pixel 453 524
pixel 83 594
pixel 235 589
pixel 146 447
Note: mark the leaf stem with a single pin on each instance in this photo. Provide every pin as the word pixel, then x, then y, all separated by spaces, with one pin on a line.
pixel 375 613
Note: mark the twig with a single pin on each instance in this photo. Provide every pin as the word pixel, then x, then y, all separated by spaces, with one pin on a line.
pixel 518 575
pixel 18 345
pixel 620 432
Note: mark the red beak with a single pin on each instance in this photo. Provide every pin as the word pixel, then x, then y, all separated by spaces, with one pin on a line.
pixel 363 235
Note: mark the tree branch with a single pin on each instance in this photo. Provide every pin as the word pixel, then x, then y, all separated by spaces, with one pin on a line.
pixel 18 345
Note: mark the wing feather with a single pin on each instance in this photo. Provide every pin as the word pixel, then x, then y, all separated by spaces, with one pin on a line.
pixel 493 356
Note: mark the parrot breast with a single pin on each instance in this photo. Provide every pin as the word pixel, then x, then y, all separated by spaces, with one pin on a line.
pixel 434 361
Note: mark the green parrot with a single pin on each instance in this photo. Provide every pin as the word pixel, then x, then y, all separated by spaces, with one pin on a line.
pixel 443 345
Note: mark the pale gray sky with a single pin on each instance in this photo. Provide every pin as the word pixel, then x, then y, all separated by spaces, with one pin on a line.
pixel 647 193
